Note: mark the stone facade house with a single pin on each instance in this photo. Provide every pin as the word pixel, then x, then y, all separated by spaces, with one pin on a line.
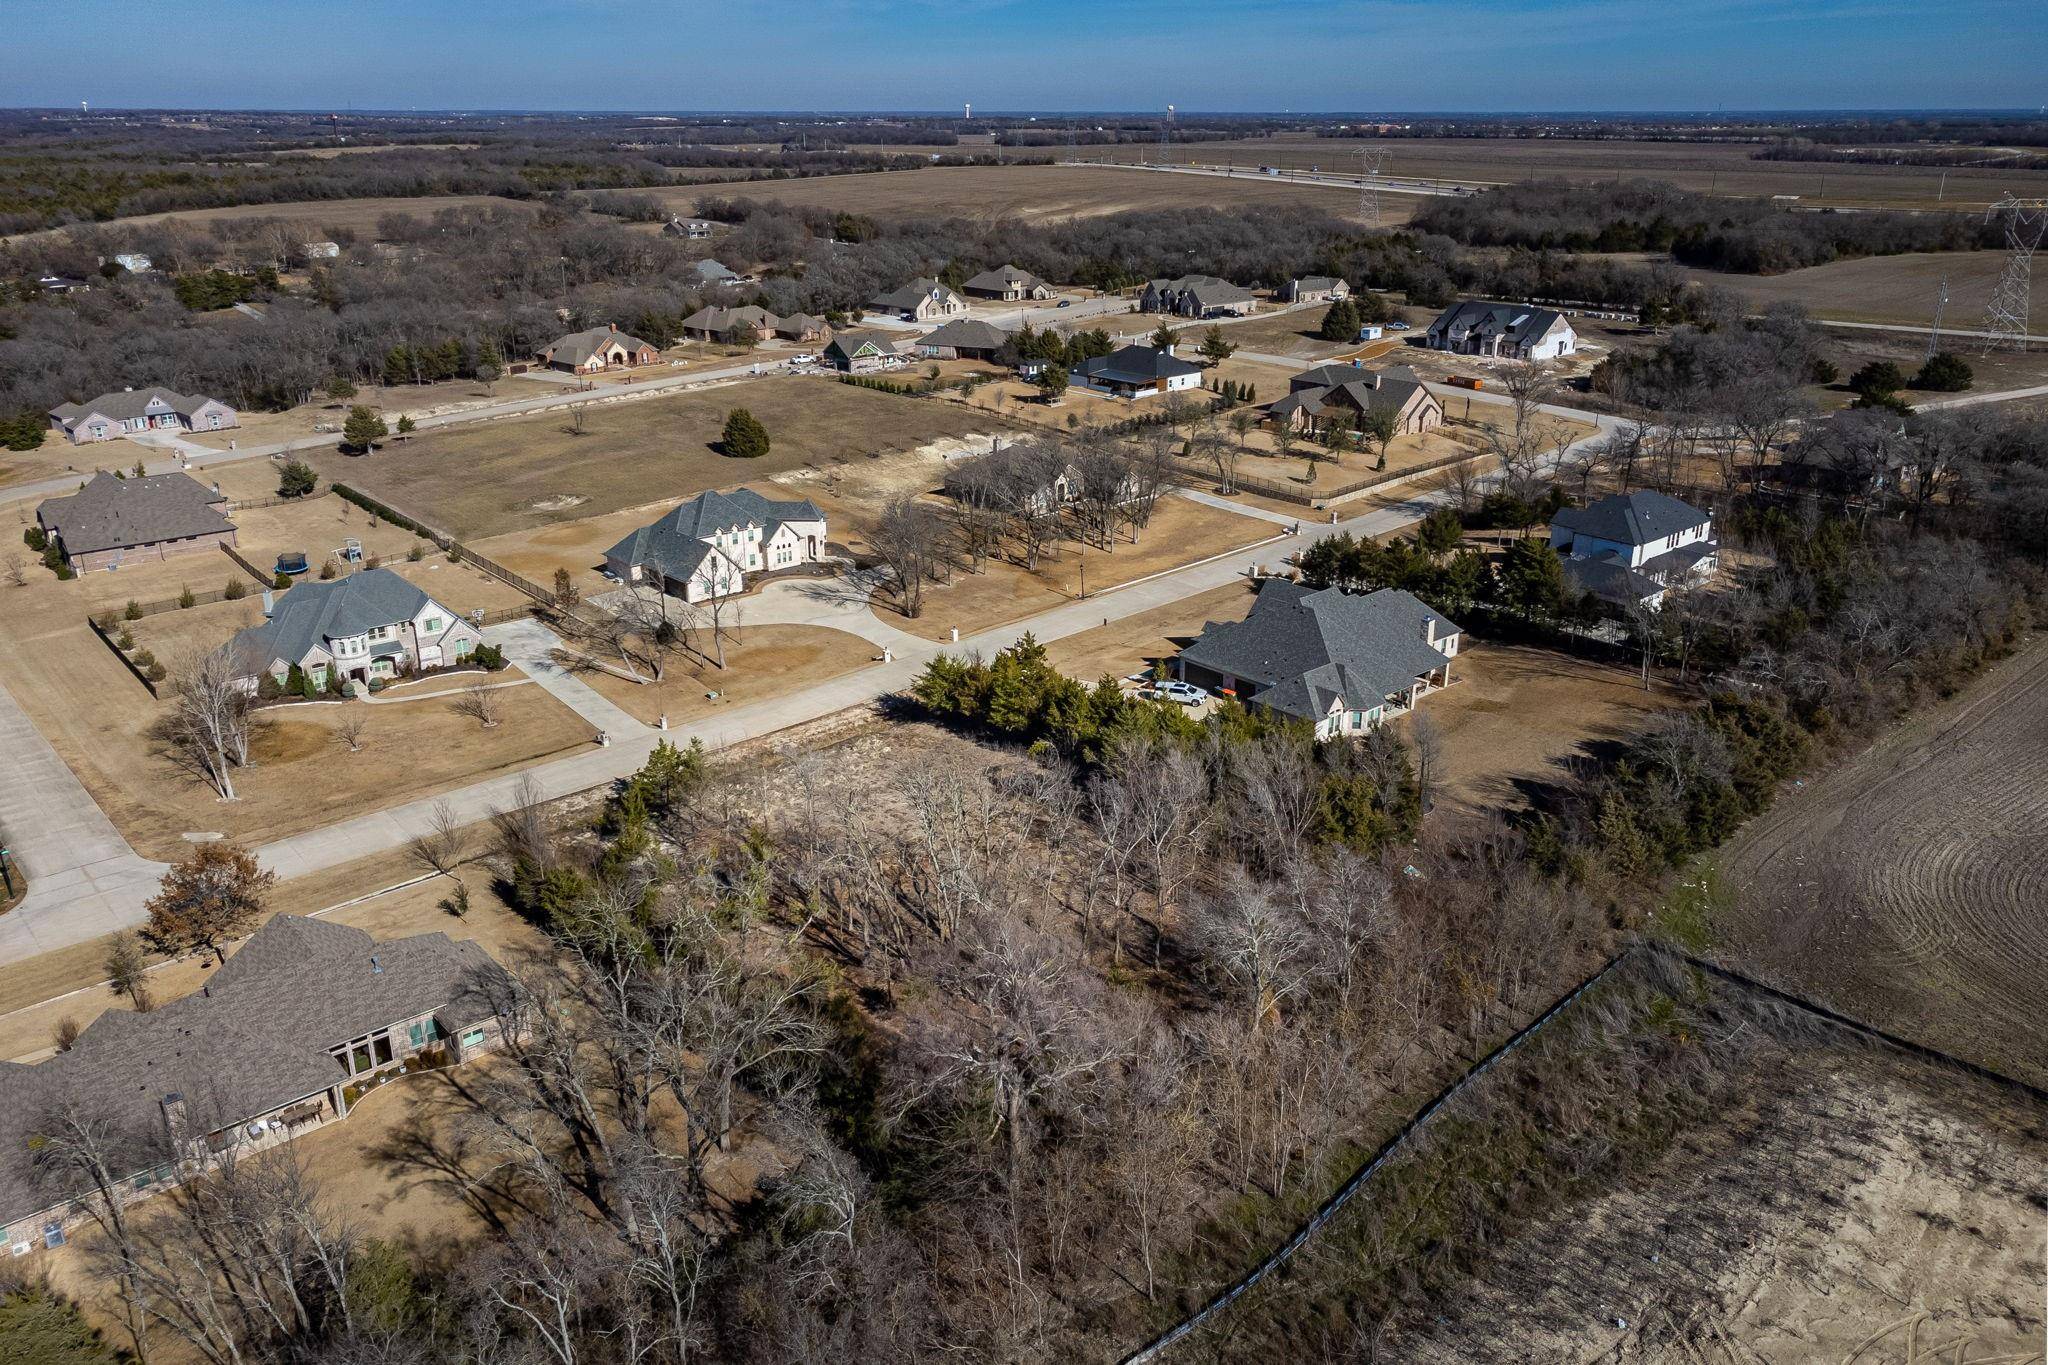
pixel 1510 331
pixel 596 349
pixel 303 1018
pixel 706 547
pixel 371 625
pixel 1197 296
pixel 1009 284
pixel 717 324
pixel 114 521
pixel 1317 289
pixel 690 229
pixel 921 300
pixel 1344 662
pixel 1335 394
pixel 131 411
pixel 862 351
pixel 802 327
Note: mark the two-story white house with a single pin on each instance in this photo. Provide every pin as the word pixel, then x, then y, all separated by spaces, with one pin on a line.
pixel 369 626
pixel 709 545
pixel 1629 548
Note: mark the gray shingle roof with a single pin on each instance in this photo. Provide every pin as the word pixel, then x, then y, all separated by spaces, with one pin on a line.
pixel 847 344
pixel 1632 518
pixel 1004 277
pixel 109 512
pixel 1134 365
pixel 1519 323
pixel 129 403
pixel 674 544
pixel 725 319
pixel 1306 650
pixel 1208 290
pixel 254 1039
pixel 713 272
pixel 313 613
pixel 966 334
pixel 1609 580
pixel 910 296
pixel 1318 282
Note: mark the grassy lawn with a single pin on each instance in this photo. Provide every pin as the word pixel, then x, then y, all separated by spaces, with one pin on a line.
pixel 1181 532
pixel 519 474
pixel 762 662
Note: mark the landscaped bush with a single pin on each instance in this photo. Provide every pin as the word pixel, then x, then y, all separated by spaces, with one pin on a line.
pixel 281 582
pixel 156 672
pixel 127 640
pixel 185 596
pixel 490 658
pixel 133 611
pixel 415 552
pixel 36 538
pixel 143 658
pixel 234 590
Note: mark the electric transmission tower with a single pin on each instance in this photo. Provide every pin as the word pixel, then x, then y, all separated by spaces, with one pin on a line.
pixel 2006 320
pixel 1371 161
pixel 1166 138
pixel 1934 333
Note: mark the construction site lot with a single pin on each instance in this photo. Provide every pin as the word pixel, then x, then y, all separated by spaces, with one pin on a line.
pixel 1705 167
pixel 522 474
pixel 1852 1204
pixel 99 718
pixel 1907 886
pixel 760 662
pixel 1030 193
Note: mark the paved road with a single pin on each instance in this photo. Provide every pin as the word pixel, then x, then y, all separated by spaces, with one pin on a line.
pixel 84 879
pixel 1922 331
pixel 1971 400
pixel 1387 184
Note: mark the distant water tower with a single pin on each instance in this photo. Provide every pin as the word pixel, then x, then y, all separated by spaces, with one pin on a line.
pixel 970 110
pixel 84 108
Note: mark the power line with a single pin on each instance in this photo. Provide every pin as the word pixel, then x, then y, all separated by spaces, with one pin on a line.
pixel 2006 319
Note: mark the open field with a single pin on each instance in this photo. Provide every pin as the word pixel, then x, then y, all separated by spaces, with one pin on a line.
pixel 522 473
pixel 1181 532
pixel 1135 642
pixel 1039 193
pixel 1856 1206
pixel 761 662
pixel 1896 289
pixel 1515 717
pixel 98 718
pixel 320 215
pixel 1713 168
pixel 1908 886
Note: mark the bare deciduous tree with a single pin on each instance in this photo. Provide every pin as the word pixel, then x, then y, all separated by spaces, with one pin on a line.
pixel 349 728
pixel 208 724
pixel 912 540
pixel 479 702
pixel 440 846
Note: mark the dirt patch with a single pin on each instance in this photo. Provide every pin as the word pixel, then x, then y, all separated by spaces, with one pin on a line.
pixel 1907 886
pixel 288 741
pixel 1857 1207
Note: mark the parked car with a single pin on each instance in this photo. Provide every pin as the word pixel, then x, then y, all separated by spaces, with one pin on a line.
pixel 1066 303
pixel 1187 694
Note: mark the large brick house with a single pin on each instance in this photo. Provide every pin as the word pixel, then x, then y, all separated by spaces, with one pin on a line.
pixel 596 349
pixel 284 1038
pixel 707 547
pixel 114 521
pixel 368 626
pixel 1330 395
pixel 114 415
pixel 922 300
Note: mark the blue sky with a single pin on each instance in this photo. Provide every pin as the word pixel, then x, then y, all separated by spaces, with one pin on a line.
pixel 1264 55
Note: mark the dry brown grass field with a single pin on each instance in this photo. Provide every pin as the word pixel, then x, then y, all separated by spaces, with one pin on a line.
pixel 1907 887
pixel 98 718
pixel 1125 647
pixel 1894 289
pixel 1718 168
pixel 1039 193
pixel 760 662
pixel 516 474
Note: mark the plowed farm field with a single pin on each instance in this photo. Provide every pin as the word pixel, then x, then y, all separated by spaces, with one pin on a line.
pixel 1910 886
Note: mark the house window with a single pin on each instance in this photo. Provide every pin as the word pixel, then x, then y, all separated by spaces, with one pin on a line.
pixel 416 1036
pixel 433 1030
pixel 473 1038
pixel 433 624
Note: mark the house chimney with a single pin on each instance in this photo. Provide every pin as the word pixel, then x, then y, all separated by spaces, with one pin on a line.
pixel 611 326
pixel 1170 345
pixel 376 967
pixel 269 603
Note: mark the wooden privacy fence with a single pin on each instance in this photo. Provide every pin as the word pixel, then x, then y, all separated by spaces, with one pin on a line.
pixel 1324 495
pixel 541 596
